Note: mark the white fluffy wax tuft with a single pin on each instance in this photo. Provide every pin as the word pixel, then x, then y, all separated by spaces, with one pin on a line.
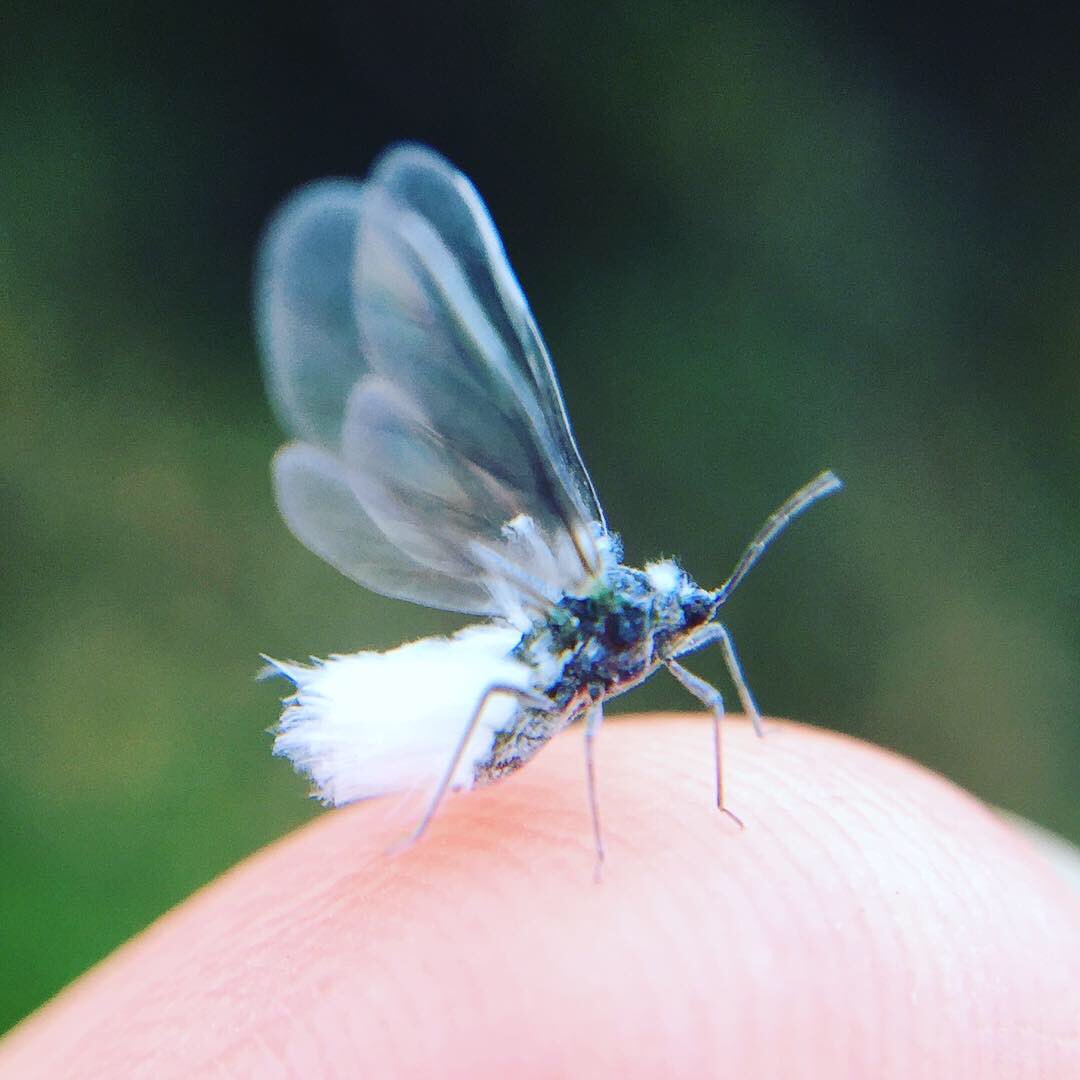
pixel 370 723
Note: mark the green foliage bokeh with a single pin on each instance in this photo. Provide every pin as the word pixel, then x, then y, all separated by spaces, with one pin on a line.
pixel 758 241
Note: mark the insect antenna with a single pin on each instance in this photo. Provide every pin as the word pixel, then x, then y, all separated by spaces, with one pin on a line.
pixel 823 484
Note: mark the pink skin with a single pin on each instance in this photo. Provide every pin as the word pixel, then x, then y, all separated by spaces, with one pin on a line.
pixel 871 921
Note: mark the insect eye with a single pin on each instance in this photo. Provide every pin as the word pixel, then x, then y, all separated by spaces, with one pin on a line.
pixel 696 610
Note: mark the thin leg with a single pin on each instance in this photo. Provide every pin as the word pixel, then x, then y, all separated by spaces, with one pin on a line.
pixel 746 699
pixel 718 632
pixel 592 726
pixel 710 697
pixel 537 701
pixel 823 484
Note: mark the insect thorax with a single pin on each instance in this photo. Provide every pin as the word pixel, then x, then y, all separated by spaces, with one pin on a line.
pixel 592 647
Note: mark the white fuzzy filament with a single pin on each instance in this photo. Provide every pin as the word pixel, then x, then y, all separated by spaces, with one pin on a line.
pixel 370 722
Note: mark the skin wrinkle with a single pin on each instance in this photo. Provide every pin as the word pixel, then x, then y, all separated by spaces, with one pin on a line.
pixel 925 868
pixel 976 980
pixel 786 949
pixel 882 806
pixel 806 840
pixel 866 811
pixel 877 801
pixel 801 839
pixel 970 978
pixel 866 815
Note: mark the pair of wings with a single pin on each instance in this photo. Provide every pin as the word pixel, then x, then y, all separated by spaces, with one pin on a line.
pixel 433 459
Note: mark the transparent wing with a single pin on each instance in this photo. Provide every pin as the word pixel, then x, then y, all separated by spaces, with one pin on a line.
pixel 397 340
pixel 305 314
pixel 312 359
pixel 321 509
pixel 425 185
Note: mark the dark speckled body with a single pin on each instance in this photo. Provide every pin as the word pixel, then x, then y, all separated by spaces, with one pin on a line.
pixel 594 647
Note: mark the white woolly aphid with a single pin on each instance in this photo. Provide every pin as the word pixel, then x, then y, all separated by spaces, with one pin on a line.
pixel 370 723
pixel 432 460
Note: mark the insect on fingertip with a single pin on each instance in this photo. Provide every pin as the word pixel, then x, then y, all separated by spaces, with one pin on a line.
pixel 432 460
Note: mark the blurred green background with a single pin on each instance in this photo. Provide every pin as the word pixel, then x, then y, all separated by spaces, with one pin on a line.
pixel 760 240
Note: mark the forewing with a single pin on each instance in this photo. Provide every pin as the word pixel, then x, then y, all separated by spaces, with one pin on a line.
pixel 423 183
pixel 396 339
pixel 426 333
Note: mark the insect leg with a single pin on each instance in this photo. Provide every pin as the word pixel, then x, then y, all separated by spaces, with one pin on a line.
pixel 536 701
pixel 718 632
pixel 823 484
pixel 593 720
pixel 710 697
